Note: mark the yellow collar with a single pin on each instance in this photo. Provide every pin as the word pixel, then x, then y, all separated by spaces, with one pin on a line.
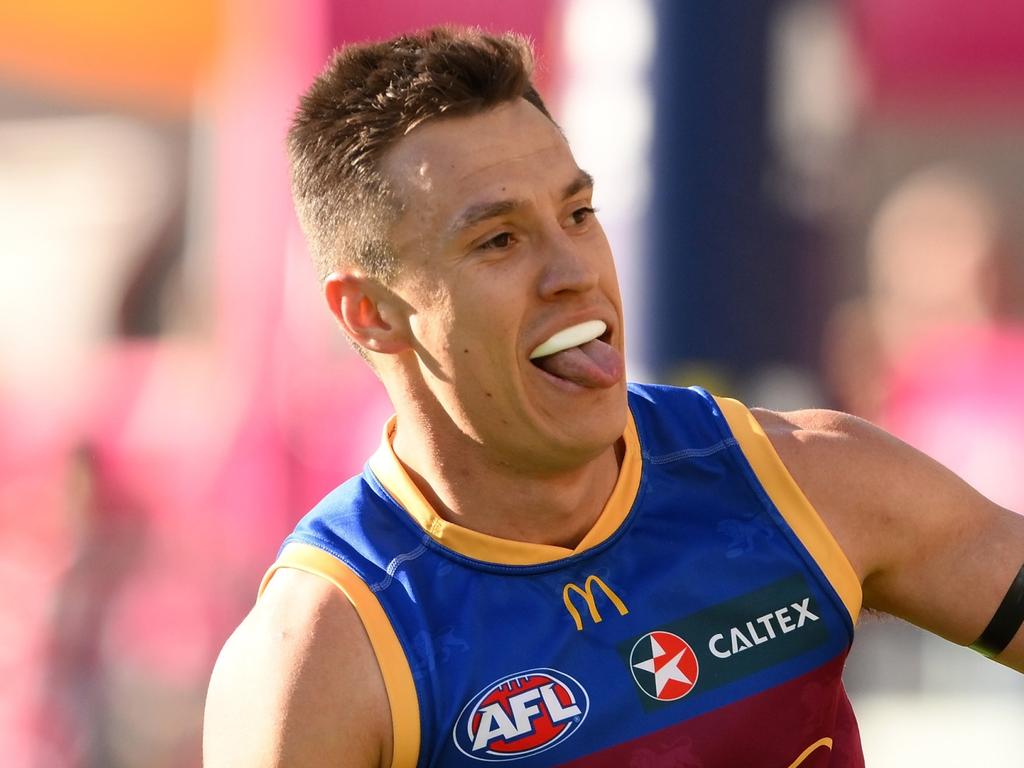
pixel 481 546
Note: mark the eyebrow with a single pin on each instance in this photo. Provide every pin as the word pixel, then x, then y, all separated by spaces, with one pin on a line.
pixel 475 214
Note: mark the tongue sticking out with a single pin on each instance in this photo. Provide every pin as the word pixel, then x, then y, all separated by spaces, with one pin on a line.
pixel 595 364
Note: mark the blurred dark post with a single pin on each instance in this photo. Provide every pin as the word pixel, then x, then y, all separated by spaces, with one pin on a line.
pixel 723 299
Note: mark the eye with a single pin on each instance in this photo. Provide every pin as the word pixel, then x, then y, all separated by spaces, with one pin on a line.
pixel 582 215
pixel 497 243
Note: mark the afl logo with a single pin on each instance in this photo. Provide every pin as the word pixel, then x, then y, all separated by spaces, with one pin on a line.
pixel 521 715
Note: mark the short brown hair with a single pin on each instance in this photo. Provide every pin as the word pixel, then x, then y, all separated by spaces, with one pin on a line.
pixel 367 98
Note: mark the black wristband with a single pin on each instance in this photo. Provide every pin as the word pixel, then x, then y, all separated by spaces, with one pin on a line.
pixel 1006 621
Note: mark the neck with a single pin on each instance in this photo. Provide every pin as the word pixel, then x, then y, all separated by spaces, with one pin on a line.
pixel 467 488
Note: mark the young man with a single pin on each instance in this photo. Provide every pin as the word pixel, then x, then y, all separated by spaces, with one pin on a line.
pixel 541 564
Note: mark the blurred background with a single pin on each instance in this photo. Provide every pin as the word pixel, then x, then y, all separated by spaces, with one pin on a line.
pixel 812 203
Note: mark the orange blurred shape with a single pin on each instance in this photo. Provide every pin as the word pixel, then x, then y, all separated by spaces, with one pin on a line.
pixel 144 54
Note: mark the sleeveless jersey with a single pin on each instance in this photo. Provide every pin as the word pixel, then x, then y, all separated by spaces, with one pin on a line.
pixel 703 621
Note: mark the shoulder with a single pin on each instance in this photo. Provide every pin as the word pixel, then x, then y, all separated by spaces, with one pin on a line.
pixel 819 445
pixel 858 477
pixel 831 453
pixel 926 546
pixel 838 457
pixel 297 684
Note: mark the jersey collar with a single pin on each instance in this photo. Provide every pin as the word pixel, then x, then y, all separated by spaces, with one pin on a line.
pixel 392 475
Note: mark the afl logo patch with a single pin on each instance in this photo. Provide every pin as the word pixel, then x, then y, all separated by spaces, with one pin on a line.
pixel 664 666
pixel 521 715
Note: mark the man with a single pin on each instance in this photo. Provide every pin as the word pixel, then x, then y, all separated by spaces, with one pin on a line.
pixel 540 564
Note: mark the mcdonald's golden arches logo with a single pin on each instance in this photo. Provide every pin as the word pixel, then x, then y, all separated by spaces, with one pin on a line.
pixel 587 593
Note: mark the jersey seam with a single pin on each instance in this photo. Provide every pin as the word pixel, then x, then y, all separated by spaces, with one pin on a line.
pixel 692 453
pixel 392 567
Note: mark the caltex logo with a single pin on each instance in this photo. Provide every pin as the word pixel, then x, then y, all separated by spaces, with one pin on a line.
pixel 664 666
pixel 521 715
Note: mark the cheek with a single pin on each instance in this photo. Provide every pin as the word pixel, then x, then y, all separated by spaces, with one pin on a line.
pixel 609 275
pixel 487 343
pixel 473 321
pixel 431 327
pixel 484 344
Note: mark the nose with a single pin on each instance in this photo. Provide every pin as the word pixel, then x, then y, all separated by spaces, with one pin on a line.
pixel 567 268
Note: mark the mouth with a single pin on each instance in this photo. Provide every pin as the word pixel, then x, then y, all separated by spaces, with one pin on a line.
pixel 570 337
pixel 581 354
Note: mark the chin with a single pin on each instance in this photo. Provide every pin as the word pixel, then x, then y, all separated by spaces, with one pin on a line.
pixel 593 434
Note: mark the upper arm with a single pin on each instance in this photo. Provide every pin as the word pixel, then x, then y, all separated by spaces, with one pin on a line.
pixel 297 684
pixel 926 546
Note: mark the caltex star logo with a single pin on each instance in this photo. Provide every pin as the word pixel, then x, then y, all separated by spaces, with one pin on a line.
pixel 664 666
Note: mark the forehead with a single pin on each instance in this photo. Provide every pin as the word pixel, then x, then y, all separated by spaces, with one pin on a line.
pixel 447 165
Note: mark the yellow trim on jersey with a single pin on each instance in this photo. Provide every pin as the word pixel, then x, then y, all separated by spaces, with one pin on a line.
pixel 826 742
pixel 796 509
pixel 394 667
pixel 481 546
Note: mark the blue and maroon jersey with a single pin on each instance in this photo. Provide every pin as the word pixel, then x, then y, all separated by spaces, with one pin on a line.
pixel 703 621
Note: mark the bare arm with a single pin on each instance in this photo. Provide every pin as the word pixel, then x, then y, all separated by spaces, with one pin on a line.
pixel 297 684
pixel 927 547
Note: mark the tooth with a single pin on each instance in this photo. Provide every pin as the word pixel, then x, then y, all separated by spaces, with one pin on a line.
pixel 570 337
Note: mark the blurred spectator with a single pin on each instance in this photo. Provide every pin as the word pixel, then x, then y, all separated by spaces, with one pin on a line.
pixel 104 536
pixel 934 352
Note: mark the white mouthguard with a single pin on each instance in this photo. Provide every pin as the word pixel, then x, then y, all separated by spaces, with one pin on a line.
pixel 570 337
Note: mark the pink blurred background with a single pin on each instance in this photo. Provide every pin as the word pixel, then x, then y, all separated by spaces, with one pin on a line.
pixel 173 395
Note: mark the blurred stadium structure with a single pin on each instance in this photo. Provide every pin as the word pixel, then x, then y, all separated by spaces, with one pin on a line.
pixel 173 397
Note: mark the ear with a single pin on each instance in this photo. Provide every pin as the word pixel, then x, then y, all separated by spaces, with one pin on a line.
pixel 364 309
